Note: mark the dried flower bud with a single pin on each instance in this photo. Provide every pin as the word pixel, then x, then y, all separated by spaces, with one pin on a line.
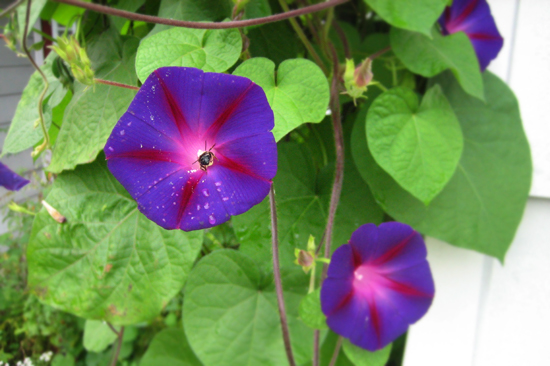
pixel 54 213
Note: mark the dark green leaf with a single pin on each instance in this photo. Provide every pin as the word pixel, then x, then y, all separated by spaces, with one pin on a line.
pixel 128 5
pixel 209 50
pixel 310 311
pixel 429 57
pixel 107 261
pixel 414 15
pixel 361 357
pixel 170 348
pixel 93 112
pixel 298 92
pixel 275 41
pixel 482 205
pixel 231 315
pixel 419 146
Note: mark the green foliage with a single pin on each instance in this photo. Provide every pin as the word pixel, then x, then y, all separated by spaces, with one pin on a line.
pixel 193 10
pixel 170 348
pixel 24 130
pixel 94 111
pixel 231 303
pixel 298 92
pixel 489 189
pixel 36 8
pixel 310 311
pixel 98 336
pixel 209 50
pixel 108 261
pixel 414 15
pixel 418 145
pixel 430 56
pixel 274 41
pixel 361 357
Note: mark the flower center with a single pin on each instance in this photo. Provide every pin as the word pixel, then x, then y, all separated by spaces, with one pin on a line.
pixel 367 280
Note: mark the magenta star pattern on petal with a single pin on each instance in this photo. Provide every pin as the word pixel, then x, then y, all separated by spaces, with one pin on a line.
pixel 194 148
pixel 474 18
pixel 377 285
pixel 11 180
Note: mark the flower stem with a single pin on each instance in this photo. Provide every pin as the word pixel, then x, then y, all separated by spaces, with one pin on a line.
pixel 114 83
pixel 202 25
pixel 303 37
pixel 46 142
pixel 118 346
pixel 312 279
pixel 336 351
pixel 338 175
pixel 277 277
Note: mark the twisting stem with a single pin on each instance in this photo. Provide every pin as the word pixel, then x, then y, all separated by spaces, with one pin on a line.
pixel 343 38
pixel 336 351
pixel 114 83
pixel 46 142
pixel 277 277
pixel 11 8
pixel 113 328
pixel 379 53
pixel 202 25
pixel 118 346
pixel 338 175
pixel 303 37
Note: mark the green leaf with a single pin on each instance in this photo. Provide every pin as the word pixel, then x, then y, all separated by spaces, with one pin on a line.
pixel 257 9
pixel 98 336
pixel 93 112
pixel 310 311
pixel 128 5
pixel 414 15
pixel 302 193
pixel 209 50
pixel 170 348
pixel 361 357
pixel 298 92
pixel 66 14
pixel 275 41
pixel 429 57
pixel 36 8
pixel 63 360
pixel 107 261
pixel 419 146
pixel 482 205
pixel 194 10
pixel 231 315
pixel 24 130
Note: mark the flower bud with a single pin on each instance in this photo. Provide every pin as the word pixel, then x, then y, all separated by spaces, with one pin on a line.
pixel 77 58
pixel 357 79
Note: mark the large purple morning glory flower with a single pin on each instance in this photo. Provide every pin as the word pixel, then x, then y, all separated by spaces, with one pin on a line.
pixel 194 148
pixel 377 285
pixel 11 180
pixel 474 18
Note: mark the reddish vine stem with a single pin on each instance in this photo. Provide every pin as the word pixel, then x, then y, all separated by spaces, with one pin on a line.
pixel 338 175
pixel 203 25
pixel 379 53
pixel 336 351
pixel 343 38
pixel 11 8
pixel 118 346
pixel 114 83
pixel 113 328
pixel 277 278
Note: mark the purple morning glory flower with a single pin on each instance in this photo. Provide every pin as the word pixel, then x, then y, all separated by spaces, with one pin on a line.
pixel 474 18
pixel 377 285
pixel 11 180
pixel 194 148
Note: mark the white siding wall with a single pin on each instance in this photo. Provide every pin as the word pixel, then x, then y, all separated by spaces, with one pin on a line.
pixel 486 314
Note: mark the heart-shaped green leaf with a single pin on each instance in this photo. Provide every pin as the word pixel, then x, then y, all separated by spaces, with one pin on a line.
pixel 107 261
pixel 298 92
pixel 430 56
pixel 170 348
pixel 209 50
pixel 414 15
pixel 482 205
pixel 231 316
pixel 310 311
pixel 93 112
pixel 419 146
pixel 97 336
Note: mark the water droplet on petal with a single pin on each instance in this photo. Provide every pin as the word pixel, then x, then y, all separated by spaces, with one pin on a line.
pixel 129 123
pixel 206 206
pixel 217 184
pixel 111 149
pixel 198 207
pixel 225 198
pixel 211 219
pixel 122 132
pixel 205 192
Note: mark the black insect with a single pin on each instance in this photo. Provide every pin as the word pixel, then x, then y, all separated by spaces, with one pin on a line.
pixel 206 159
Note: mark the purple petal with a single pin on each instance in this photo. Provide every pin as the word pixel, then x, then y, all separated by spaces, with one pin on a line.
pixel 377 285
pixel 11 180
pixel 474 18
pixel 177 115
